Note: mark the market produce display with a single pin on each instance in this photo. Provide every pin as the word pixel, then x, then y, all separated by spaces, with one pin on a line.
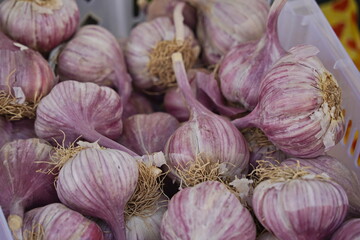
pixel 199 126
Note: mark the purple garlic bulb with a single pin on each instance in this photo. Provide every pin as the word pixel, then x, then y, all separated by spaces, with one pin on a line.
pixel 223 24
pixel 99 183
pixel 338 173
pixel 207 211
pixel 349 230
pixel 56 221
pixel 94 55
pixel 297 205
pixel 77 109
pixel 299 107
pixel 23 185
pixel 206 138
pixel 149 48
pixel 148 133
pixel 25 77
pixel 261 148
pixel 242 68
pixel 40 25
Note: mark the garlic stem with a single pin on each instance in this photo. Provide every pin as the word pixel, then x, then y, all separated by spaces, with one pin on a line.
pixel 15 219
pixel 184 85
pixel 272 23
pixel 94 136
pixel 249 120
pixel 179 23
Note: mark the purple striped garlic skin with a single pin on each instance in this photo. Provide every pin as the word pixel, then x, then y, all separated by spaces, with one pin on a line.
pixel 99 183
pixel 349 230
pixel 300 209
pixel 206 135
pixel 242 68
pixel 299 107
pixel 337 172
pixel 223 24
pixel 143 40
pixel 76 108
pixel 148 133
pixel 94 55
pixel 56 221
pixel 26 69
pixel 207 211
pixel 43 25
pixel 22 185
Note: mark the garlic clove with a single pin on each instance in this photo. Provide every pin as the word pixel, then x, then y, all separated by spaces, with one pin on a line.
pixel 56 221
pixel 94 55
pixel 207 211
pixel 80 109
pixel 43 24
pixel 99 183
pixel 148 133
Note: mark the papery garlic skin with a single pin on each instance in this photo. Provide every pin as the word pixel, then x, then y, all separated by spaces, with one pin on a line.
pixel 148 133
pixel 94 55
pixel 337 172
pixel 25 70
pixel 224 24
pixel 207 211
pixel 43 25
pixel 76 108
pixel 5 131
pixel 99 183
pixel 349 230
pixel 137 104
pixel 299 107
pixel 145 227
pixel 56 221
pixel 300 209
pixel 242 68
pixel 141 43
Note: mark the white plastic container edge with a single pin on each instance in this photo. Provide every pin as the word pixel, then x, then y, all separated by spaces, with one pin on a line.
pixel 300 22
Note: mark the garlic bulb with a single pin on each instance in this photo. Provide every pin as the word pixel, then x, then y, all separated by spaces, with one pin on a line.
pixel 294 204
pixel 338 173
pixel 14 130
pixel 242 68
pixel 40 25
pixel 261 148
pixel 205 139
pixel 149 48
pixel 148 133
pixel 25 78
pixel 94 55
pixel 22 184
pixel 299 107
pixel 223 24
pixel 56 221
pixel 80 109
pixel 99 183
pixel 207 211
pixel 349 230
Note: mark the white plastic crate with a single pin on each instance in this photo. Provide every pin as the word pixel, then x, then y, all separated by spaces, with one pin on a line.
pixel 301 22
